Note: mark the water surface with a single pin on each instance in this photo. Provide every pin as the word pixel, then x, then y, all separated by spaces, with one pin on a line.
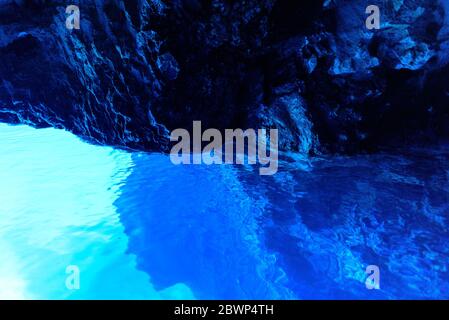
pixel 139 227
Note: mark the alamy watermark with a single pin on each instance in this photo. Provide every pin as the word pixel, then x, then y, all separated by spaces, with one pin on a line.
pixel 72 282
pixel 373 20
pixel 73 19
pixel 373 280
pixel 238 147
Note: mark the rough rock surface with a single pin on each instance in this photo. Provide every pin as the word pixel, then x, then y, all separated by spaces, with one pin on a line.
pixel 139 68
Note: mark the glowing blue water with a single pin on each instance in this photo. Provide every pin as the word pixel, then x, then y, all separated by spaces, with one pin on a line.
pixel 139 227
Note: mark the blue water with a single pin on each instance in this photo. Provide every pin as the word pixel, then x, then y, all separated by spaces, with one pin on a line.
pixel 139 227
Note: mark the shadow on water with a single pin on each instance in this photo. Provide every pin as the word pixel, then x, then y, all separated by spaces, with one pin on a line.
pixel 307 232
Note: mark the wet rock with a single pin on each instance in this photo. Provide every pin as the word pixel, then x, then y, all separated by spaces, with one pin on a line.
pixel 140 68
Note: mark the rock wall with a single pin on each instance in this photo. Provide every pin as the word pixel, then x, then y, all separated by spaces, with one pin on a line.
pixel 138 68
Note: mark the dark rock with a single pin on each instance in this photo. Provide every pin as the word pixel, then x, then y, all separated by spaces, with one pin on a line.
pixel 139 68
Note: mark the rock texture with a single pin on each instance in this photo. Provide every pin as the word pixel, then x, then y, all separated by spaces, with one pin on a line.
pixel 138 68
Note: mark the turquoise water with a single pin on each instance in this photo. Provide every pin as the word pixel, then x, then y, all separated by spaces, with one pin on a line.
pixel 57 209
pixel 138 227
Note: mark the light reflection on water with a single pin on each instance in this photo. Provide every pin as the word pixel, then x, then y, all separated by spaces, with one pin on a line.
pixel 56 196
pixel 139 227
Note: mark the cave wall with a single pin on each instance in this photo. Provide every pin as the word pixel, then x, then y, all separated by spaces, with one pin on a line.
pixel 139 68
